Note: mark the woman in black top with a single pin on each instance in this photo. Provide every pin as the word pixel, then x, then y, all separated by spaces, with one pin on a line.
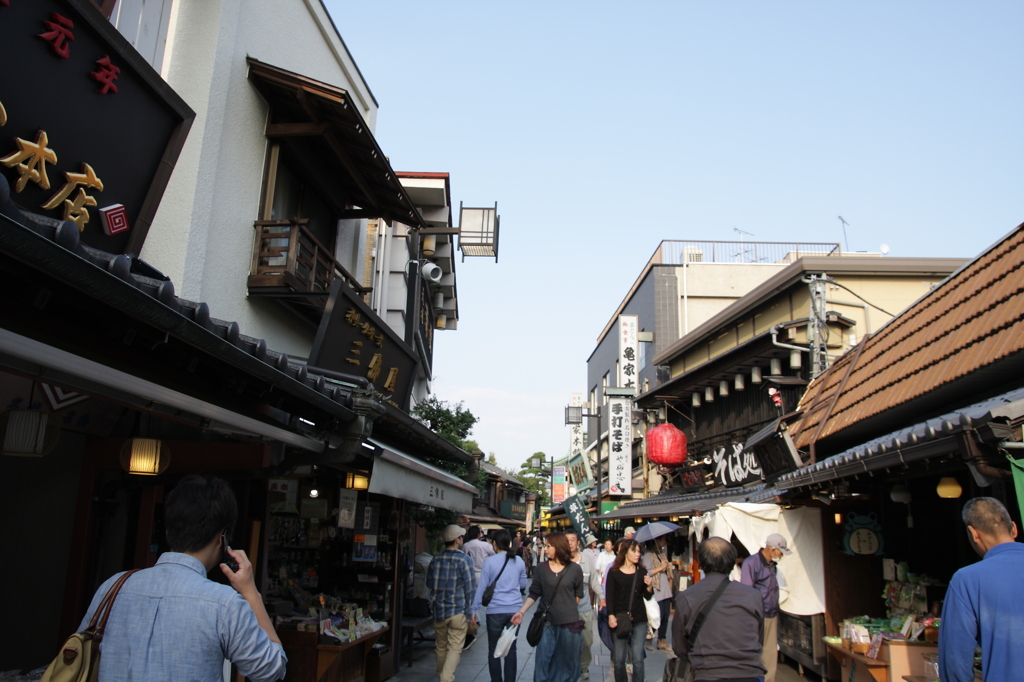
pixel 559 582
pixel 628 585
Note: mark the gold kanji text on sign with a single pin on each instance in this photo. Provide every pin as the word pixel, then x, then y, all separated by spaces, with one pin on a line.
pixel 30 161
pixel 75 209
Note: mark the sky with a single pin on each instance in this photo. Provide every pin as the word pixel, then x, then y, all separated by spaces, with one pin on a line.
pixel 602 128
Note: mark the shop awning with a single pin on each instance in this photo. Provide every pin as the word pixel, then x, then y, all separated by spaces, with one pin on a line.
pixel 321 124
pixel 933 438
pixel 397 474
pixel 678 505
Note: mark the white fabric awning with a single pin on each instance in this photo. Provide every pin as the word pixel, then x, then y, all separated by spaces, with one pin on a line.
pixel 397 474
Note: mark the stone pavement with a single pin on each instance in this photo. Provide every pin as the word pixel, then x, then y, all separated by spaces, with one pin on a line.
pixel 473 666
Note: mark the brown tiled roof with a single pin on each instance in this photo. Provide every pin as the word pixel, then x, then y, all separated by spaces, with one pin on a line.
pixel 970 321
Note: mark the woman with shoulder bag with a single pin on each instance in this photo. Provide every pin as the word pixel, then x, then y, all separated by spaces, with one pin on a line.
pixel 558 584
pixel 658 567
pixel 504 577
pixel 628 586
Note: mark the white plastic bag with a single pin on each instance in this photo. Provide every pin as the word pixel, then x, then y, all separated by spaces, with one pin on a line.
pixel 506 641
pixel 653 613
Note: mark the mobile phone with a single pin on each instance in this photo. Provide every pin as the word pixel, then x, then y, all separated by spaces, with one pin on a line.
pixel 225 557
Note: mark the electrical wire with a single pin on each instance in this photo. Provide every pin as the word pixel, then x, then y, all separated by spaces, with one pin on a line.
pixel 843 286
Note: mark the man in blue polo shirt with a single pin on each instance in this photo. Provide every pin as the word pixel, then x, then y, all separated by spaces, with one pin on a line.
pixel 983 603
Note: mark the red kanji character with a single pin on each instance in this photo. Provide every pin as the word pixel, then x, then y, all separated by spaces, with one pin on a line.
pixel 106 75
pixel 59 35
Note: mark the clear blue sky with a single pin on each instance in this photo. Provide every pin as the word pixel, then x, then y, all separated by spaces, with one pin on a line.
pixel 601 128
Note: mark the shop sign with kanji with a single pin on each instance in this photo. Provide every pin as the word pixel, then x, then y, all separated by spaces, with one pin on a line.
pixel 620 446
pixel 88 130
pixel 576 510
pixel 352 339
pixel 629 365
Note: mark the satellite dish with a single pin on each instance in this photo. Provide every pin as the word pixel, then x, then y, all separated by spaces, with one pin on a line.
pixel 884 248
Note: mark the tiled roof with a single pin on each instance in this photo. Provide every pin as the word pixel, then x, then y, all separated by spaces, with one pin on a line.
pixel 969 322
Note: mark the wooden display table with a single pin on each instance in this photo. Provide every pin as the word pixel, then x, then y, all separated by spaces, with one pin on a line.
pixel 858 667
pixel 897 660
pixel 309 661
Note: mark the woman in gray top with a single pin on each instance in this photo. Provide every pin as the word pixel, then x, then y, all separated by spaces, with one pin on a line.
pixel 559 583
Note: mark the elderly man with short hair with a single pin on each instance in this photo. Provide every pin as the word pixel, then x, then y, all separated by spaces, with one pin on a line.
pixel 728 645
pixel 759 572
pixel 983 605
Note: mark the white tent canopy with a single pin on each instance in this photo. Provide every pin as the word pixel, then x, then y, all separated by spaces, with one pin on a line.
pixel 753 523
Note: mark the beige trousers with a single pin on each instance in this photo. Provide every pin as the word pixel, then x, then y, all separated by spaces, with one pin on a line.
pixel 450 636
pixel 770 648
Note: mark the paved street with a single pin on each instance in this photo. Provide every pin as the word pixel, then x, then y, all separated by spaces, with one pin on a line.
pixel 473 667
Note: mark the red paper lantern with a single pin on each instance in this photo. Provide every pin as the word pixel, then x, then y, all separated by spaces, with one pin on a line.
pixel 666 445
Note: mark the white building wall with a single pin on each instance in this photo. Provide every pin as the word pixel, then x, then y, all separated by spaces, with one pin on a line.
pixel 202 236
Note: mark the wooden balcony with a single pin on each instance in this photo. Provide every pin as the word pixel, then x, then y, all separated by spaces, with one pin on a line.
pixel 289 263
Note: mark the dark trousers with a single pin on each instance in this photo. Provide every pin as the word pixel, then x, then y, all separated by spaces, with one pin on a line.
pixel 666 606
pixel 496 623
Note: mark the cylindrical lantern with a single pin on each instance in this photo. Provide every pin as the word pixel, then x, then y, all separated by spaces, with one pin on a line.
pixel 709 394
pixel 695 399
pixel 28 433
pixel 666 445
pixel 723 388
pixel 755 375
pixel 738 382
pixel 145 456
pixel 949 488
pixel 776 367
pixel 429 245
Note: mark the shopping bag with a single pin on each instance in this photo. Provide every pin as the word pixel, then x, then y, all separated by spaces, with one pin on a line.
pixel 506 641
pixel 603 630
pixel 653 613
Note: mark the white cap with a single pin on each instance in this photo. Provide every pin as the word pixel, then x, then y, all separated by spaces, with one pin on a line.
pixel 778 542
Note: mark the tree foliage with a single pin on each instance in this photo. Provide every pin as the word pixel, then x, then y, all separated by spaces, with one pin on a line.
pixel 452 422
pixel 535 479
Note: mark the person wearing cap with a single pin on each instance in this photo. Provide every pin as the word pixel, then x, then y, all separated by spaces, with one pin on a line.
pixel 628 533
pixel 759 572
pixel 452 581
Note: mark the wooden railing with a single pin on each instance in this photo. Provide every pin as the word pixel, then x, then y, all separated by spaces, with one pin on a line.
pixel 286 254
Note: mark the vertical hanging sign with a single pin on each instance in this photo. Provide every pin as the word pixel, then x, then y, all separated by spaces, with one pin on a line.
pixel 629 366
pixel 558 483
pixel 620 446
pixel 579 466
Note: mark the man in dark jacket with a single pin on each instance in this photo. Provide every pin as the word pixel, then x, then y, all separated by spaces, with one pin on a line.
pixel 728 646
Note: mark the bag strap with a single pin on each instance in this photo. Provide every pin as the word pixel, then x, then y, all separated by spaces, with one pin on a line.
pixel 702 616
pixel 632 592
pixel 559 582
pixel 99 619
pixel 495 581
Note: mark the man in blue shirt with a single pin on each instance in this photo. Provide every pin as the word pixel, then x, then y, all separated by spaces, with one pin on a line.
pixel 170 622
pixel 983 605
pixel 452 580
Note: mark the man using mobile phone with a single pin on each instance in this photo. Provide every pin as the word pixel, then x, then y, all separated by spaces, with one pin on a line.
pixel 170 622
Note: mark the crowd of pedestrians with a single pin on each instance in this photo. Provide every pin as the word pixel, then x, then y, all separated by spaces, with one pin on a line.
pixel 583 585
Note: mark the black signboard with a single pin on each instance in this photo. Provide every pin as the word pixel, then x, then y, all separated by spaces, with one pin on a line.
pixel 89 131
pixel 352 339
pixel 576 510
pixel 511 509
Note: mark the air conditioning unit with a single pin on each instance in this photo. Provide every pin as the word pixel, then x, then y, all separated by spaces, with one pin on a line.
pixel 692 254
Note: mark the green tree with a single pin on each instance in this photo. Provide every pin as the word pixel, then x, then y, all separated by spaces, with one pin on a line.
pixel 491 459
pixel 450 421
pixel 535 479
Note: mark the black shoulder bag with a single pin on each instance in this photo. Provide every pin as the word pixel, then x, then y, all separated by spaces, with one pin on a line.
pixel 489 592
pixel 678 669
pixel 540 618
pixel 624 621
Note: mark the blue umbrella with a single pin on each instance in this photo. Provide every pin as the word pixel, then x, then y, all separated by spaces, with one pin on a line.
pixel 655 530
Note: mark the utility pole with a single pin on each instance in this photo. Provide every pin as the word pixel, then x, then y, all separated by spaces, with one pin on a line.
pixel 817 326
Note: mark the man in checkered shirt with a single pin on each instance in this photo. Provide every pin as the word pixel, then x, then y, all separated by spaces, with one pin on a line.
pixel 452 580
